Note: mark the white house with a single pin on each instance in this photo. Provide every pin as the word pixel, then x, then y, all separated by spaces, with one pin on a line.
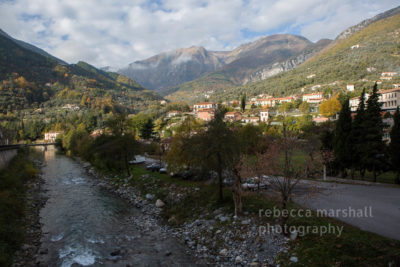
pixel 350 87
pixel 355 101
pixel 204 105
pixel 264 115
pixel 173 113
pixel 51 136
pixel 390 99
pixel 313 97
pixel 252 120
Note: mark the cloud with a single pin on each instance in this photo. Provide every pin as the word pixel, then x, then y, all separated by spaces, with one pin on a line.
pixel 115 33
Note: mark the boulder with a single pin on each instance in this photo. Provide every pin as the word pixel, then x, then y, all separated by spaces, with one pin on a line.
pixel 160 203
pixel 238 259
pixel 149 196
pixel 294 259
pixel 223 252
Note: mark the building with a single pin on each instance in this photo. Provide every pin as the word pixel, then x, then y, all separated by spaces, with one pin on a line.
pixel 318 120
pixel 251 120
pixel 205 114
pixel 390 99
pixel 173 113
pixel 355 101
pixel 313 97
pixel 396 85
pixel 350 87
pixel 388 74
pixel 355 46
pixel 264 115
pixel 233 116
pixel 71 107
pixel 51 136
pixel 204 105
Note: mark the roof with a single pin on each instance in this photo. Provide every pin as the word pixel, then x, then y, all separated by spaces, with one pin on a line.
pixel 389 91
pixel 173 111
pixel 251 118
pixel 206 110
pixel 204 103
pixel 233 113
pixel 318 93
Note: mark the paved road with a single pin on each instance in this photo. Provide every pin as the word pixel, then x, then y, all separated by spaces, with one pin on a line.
pixel 383 201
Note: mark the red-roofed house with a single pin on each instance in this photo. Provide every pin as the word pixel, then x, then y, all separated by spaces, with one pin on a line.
pixel 233 116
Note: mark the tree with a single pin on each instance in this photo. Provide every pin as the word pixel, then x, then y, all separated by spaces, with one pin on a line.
pixel 304 107
pixel 285 107
pixel 394 146
pixel 330 107
pixel 357 138
pixel 373 149
pixel 243 103
pixel 147 130
pixel 342 144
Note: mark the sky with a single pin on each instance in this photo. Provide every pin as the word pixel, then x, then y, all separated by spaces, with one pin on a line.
pixel 118 32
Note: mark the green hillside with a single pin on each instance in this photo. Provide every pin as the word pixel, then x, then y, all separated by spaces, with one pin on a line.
pixel 378 51
pixel 32 80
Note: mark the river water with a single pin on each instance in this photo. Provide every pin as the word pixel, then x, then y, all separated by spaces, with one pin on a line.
pixel 85 225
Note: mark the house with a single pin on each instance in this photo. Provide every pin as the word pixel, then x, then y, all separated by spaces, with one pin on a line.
pixel 96 133
pixel 379 82
pixel 310 76
pixel 205 114
pixel 173 113
pixel 390 99
pixel 318 120
pixel 264 115
pixel 355 101
pixel 204 105
pixel 355 46
pixel 396 85
pixel 71 107
pixel 350 87
pixel 233 116
pixel 251 120
pixel 51 136
pixel 388 74
pixel 313 97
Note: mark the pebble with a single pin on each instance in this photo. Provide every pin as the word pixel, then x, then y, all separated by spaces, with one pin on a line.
pixel 294 259
pixel 149 196
pixel 160 203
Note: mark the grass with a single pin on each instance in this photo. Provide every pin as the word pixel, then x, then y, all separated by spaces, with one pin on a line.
pixel 12 201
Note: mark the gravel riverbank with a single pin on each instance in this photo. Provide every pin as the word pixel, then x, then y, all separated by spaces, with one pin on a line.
pixel 222 240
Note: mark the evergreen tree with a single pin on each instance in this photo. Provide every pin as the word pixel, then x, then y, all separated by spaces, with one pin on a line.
pixel 357 138
pixel 147 130
pixel 342 139
pixel 243 103
pixel 394 146
pixel 373 148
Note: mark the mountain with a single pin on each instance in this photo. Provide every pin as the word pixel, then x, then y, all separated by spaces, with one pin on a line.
pixel 31 47
pixel 356 28
pixel 196 69
pixel 249 63
pixel 169 69
pixel 358 59
pixel 29 78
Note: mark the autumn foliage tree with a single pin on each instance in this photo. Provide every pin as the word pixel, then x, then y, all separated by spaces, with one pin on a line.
pixel 330 107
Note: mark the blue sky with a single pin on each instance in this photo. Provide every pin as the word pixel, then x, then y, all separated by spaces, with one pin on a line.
pixel 118 32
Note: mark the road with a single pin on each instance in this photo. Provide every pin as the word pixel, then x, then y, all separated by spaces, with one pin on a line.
pixel 381 202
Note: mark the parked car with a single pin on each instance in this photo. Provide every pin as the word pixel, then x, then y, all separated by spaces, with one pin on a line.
pixel 138 160
pixel 153 167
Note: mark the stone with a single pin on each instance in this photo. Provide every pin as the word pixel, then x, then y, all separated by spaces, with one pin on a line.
pixel 223 219
pixel 168 253
pixel 294 259
pixel 246 222
pixel 149 196
pixel 160 203
pixel 293 235
pixel 223 252
pixel 255 264
pixel 238 259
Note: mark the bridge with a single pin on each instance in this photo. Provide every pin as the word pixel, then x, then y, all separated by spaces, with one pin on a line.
pixel 16 146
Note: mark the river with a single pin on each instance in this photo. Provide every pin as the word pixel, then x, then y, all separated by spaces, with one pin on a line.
pixel 85 225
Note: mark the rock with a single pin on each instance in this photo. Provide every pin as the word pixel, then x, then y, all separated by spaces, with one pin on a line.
pixel 160 203
pixel 294 259
pixel 25 247
pixel 168 253
pixel 293 235
pixel 223 252
pixel 149 196
pixel 255 264
pixel 115 252
pixel 223 219
pixel 246 222
pixel 238 259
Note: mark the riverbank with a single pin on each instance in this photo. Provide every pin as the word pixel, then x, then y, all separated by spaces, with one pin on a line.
pixel 190 212
pixel 20 201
